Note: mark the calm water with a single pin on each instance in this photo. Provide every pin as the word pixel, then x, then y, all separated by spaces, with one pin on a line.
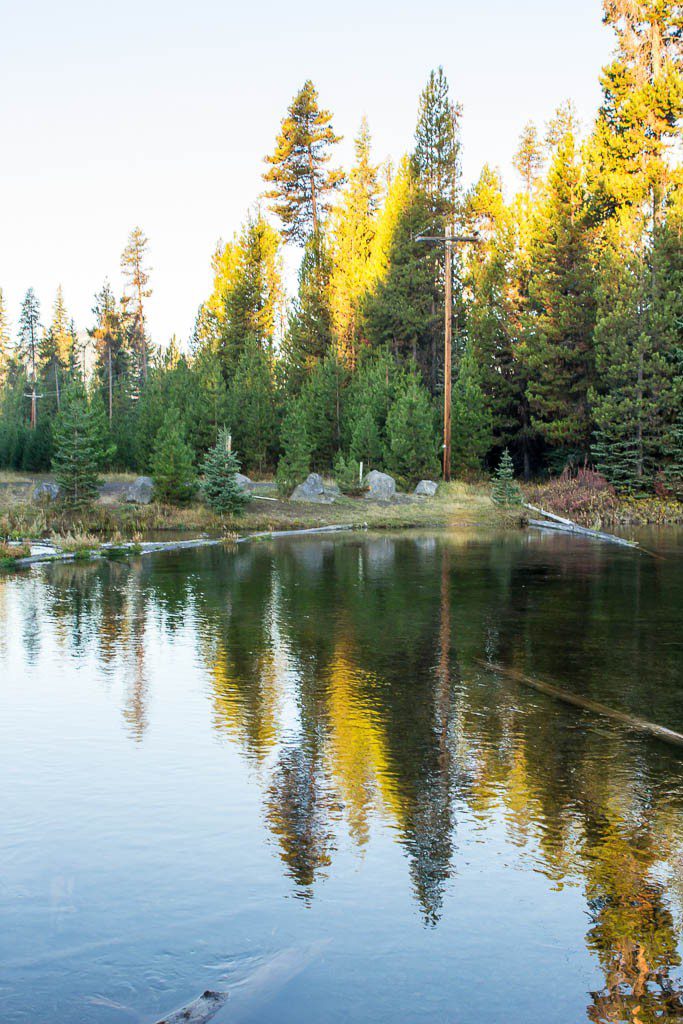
pixel 283 771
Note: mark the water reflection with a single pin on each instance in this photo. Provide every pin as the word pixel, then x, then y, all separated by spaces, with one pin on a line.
pixel 347 675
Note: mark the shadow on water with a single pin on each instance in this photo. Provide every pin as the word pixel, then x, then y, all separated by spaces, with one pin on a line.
pixel 346 675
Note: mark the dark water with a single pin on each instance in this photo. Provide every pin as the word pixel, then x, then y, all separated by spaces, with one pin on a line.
pixel 282 771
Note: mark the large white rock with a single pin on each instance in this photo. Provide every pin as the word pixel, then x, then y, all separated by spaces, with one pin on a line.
pixel 46 491
pixel 243 482
pixel 140 492
pixel 427 488
pixel 313 489
pixel 379 485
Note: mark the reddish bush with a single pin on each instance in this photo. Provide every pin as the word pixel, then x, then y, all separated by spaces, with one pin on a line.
pixel 582 495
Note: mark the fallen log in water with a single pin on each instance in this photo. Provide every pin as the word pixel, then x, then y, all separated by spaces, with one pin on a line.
pixel 567 697
pixel 151 547
pixel 568 526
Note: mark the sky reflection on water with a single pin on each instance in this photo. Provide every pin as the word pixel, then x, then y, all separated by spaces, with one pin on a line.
pixel 210 757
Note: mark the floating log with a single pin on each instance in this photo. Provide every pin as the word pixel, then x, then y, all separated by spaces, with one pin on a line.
pixel 568 526
pixel 585 703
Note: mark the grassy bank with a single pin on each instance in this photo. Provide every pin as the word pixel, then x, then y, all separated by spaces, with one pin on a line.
pixel 111 520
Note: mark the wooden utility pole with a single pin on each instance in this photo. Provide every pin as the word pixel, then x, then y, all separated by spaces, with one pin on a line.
pixel 448 240
pixel 448 355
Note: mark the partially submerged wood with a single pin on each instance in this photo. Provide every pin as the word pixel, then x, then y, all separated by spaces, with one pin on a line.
pixel 150 547
pixel 568 526
pixel 586 704
pixel 199 1011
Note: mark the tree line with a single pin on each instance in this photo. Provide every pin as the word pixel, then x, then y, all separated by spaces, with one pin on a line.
pixel 567 320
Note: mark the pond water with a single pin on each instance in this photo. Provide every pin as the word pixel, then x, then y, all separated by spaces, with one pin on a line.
pixel 282 771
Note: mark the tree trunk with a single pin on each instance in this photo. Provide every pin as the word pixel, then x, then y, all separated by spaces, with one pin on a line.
pixel 110 382
pixel 314 204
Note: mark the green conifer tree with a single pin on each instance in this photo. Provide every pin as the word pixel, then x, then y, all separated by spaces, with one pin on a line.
pixel 4 341
pixel 301 181
pixel 172 463
pixel 472 430
pixel 220 488
pixel 295 461
pixel 81 446
pixel 559 321
pixel 436 157
pixel 322 403
pixel 252 406
pixel 411 436
pixel 505 491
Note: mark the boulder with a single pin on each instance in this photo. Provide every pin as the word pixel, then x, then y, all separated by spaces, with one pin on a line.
pixel 243 482
pixel 380 486
pixel 427 488
pixel 140 492
pixel 313 489
pixel 46 491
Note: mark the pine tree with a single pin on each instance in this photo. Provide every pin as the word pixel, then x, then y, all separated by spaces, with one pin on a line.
pixel 4 340
pixel 55 348
pixel 637 330
pixel 353 232
pixel 558 325
pixel 81 446
pixel 367 444
pixel 295 461
pixel 172 463
pixel 302 182
pixel 565 121
pixel 248 298
pixel 411 437
pixel 29 340
pixel 220 488
pixel 370 395
pixel 310 333
pixel 404 310
pixel 436 157
pixel 472 431
pixel 322 402
pixel 136 273
pixel 497 277
pixel 505 490
pixel 112 356
pixel 252 406
pixel 639 124
pixel 528 160
pixel 347 474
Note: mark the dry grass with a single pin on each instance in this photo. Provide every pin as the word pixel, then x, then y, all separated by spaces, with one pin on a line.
pixel 10 552
pixel 74 542
pixel 456 504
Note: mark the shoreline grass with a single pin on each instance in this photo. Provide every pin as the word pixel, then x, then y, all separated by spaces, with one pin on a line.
pixel 457 504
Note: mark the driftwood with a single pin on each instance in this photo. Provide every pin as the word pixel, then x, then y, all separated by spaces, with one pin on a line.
pixel 568 526
pixel 150 547
pixel 199 1011
pixel 567 697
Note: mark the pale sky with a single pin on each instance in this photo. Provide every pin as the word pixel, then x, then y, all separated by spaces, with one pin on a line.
pixel 160 113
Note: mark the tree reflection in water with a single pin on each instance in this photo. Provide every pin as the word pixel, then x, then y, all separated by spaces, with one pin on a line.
pixel 346 673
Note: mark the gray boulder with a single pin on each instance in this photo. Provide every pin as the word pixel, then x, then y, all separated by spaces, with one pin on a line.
pixel 46 491
pixel 140 492
pixel 380 486
pixel 243 482
pixel 427 488
pixel 314 490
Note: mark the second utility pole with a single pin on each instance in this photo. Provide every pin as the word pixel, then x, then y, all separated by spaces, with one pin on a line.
pixel 448 240
pixel 448 356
